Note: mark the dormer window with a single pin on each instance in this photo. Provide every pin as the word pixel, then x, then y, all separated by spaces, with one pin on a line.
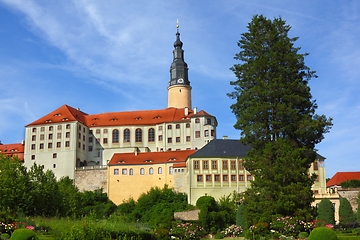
pixel 47 121
pixel 95 119
pixel 138 118
pixel 113 119
pixel 148 161
pixel 64 119
pixel 57 115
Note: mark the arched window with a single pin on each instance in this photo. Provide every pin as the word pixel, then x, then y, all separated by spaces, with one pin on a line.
pixel 138 135
pixel 142 171
pixel 160 170
pixel 127 135
pixel 151 135
pixel 115 136
pixel 131 171
pixel 151 171
pixel 208 121
pixel 171 170
pixel 197 120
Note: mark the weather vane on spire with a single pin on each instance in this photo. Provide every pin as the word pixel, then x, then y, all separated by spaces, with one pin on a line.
pixel 177 24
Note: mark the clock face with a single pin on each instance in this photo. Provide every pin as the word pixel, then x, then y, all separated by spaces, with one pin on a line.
pixel 180 80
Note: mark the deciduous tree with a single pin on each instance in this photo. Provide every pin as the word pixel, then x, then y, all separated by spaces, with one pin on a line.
pixel 276 115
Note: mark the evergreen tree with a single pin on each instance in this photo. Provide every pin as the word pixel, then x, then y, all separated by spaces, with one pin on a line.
pixel 346 214
pixel 325 211
pixel 276 116
pixel 240 216
pixel 358 209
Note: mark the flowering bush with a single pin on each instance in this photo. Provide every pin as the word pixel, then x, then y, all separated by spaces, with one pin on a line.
pixel 7 228
pixel 187 231
pixel 232 231
pixel 285 225
pixel 307 226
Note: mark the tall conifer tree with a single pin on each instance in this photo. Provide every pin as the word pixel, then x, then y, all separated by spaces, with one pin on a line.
pixel 276 116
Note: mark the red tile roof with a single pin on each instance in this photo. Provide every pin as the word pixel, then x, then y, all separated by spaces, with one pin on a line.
pixel 150 157
pixel 12 150
pixel 340 177
pixel 147 117
pixel 64 113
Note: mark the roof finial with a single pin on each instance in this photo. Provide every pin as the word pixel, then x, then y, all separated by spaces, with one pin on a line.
pixel 177 25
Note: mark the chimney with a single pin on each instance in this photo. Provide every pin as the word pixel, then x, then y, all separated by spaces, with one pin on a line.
pixel 186 111
pixel 22 142
pixel 136 151
pixel 195 110
pixel 225 137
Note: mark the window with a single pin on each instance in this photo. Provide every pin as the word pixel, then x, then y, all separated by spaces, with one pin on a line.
pixel 213 164
pixel 317 178
pixel 84 138
pixel 208 121
pixel 171 170
pixel 90 148
pixel 54 165
pixel 241 178
pixel 115 136
pixel 58 135
pixel 188 138
pixel 197 120
pixel 160 138
pixel 160 170
pixel 79 145
pixel 91 139
pixel 225 165
pixel 233 165
pixel 233 178
pixel 241 166
pixel 188 125
pixel 58 144
pixel 142 171
pixel 197 134
pixel 32 146
pixel 151 135
pixel 59 127
pixel 217 178
pixel 196 164
pixel 49 145
pixel 97 131
pixel 32 157
pixel 199 178
pixel 160 128
pixel 54 155
pixel 205 164
pixel 67 126
pixel 177 139
pixel 131 171
pixel 225 178
pixel 169 126
pixel 41 146
pixel 33 137
pixel 105 140
pixel 50 136
pixel 249 178
pixel 206 133
pixel 34 130
pixel 169 140
pixel 316 165
pixel 116 171
pixel 84 147
pixel 51 128
pixel 42 129
pixel 124 171
pixel 41 136
pixel 208 178
pixel 67 134
pixel 151 171
pixel 79 127
pixel 138 135
pixel 212 133
pixel 67 144
pixel 79 135
pixel 105 131
pixel 126 135
pixel 177 126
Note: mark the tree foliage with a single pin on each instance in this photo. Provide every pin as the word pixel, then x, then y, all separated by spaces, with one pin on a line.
pixel 325 211
pixel 351 184
pixel 276 116
pixel 346 214
pixel 240 216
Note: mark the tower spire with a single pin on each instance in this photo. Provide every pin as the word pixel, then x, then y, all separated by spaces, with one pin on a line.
pixel 179 81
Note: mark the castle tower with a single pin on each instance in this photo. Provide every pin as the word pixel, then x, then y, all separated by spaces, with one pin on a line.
pixel 179 89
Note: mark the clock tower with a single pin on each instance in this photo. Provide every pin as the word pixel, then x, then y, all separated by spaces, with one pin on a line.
pixel 179 89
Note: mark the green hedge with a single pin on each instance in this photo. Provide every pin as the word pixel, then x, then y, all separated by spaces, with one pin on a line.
pixel 321 233
pixel 23 234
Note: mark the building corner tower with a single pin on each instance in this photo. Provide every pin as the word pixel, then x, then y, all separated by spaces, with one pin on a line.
pixel 179 89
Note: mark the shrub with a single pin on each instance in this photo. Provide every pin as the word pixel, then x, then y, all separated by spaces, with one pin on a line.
pixel 240 216
pixel 4 236
pixel 303 235
pixel 321 233
pixel 346 214
pixel 326 211
pixel 23 234
pixel 219 236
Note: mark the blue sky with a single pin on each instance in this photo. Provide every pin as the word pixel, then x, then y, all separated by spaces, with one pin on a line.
pixel 105 56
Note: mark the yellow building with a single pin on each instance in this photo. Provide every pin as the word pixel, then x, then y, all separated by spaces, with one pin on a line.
pixel 131 174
